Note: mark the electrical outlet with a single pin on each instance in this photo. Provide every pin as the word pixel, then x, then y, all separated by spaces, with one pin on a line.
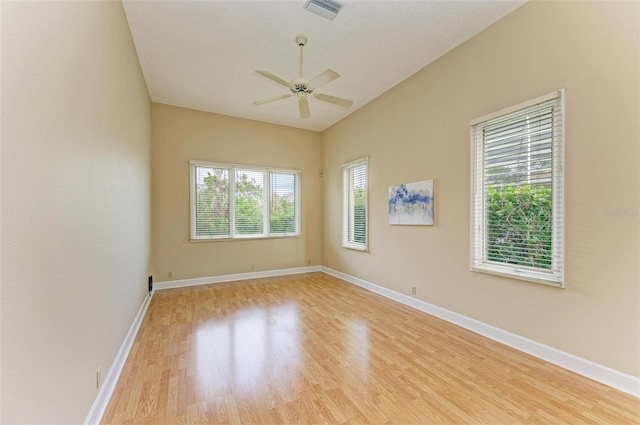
pixel 170 275
pixel 413 290
pixel 308 262
pixel 253 267
pixel 98 377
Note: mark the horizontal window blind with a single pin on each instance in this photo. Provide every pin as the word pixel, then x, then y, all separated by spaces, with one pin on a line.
pixel 282 203
pixel 517 215
pixel 210 214
pixel 355 205
pixel 230 201
pixel 249 202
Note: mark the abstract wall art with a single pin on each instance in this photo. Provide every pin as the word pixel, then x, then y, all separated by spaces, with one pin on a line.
pixel 411 203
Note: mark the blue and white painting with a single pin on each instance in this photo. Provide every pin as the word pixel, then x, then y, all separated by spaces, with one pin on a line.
pixel 411 203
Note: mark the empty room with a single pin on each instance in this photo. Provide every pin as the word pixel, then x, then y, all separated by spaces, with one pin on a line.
pixel 320 212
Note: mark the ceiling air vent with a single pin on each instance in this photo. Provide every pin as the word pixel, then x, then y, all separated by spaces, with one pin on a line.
pixel 325 8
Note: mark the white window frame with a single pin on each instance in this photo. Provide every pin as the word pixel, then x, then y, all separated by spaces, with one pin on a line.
pixel 231 167
pixel 478 231
pixel 348 236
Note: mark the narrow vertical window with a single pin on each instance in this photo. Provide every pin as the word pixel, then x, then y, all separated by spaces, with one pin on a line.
pixel 355 205
pixel 517 179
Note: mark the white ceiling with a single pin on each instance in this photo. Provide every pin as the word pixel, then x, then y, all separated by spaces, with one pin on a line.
pixel 203 54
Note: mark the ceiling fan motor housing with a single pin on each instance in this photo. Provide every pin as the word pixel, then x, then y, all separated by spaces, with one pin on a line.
pixel 299 87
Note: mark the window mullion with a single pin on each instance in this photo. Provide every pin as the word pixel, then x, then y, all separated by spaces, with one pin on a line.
pixel 266 213
pixel 232 202
pixel 296 205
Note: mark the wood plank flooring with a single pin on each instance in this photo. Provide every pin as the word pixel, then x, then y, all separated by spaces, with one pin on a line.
pixel 312 349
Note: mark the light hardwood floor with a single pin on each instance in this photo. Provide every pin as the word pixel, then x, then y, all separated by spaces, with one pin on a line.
pixel 313 349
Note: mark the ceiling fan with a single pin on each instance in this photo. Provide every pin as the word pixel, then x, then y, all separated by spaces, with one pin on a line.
pixel 303 88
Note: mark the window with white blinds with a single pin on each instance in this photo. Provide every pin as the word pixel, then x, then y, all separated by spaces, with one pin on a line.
pixel 238 201
pixel 283 208
pixel 355 205
pixel 517 191
pixel 210 209
pixel 249 207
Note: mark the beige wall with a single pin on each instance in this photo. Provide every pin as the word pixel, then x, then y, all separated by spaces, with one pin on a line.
pixel 420 130
pixel 75 203
pixel 180 135
pixel 76 167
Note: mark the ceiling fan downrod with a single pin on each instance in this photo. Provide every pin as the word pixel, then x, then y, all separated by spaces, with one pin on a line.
pixel 302 41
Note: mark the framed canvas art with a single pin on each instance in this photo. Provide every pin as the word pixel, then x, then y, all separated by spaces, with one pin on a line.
pixel 411 203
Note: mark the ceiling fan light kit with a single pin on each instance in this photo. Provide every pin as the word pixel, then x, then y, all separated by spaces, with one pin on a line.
pixel 303 88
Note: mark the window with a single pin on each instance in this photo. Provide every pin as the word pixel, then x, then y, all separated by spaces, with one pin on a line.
pixel 355 209
pixel 517 191
pixel 238 201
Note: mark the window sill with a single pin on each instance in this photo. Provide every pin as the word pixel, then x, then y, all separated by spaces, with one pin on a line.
pixel 526 275
pixel 248 238
pixel 356 248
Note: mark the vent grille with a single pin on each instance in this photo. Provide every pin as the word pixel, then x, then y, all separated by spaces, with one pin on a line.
pixel 325 8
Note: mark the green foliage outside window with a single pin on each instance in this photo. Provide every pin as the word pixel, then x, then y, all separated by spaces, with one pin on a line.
pixel 248 206
pixel 519 225
pixel 211 201
pixel 212 207
pixel 360 215
pixel 283 216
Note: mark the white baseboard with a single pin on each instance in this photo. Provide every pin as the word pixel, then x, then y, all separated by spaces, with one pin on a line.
pixel 611 377
pixel 169 284
pixel 109 383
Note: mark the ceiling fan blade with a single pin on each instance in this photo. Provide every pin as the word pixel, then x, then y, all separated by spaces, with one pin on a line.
pixel 335 100
pixel 272 99
pixel 325 77
pixel 273 78
pixel 304 108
